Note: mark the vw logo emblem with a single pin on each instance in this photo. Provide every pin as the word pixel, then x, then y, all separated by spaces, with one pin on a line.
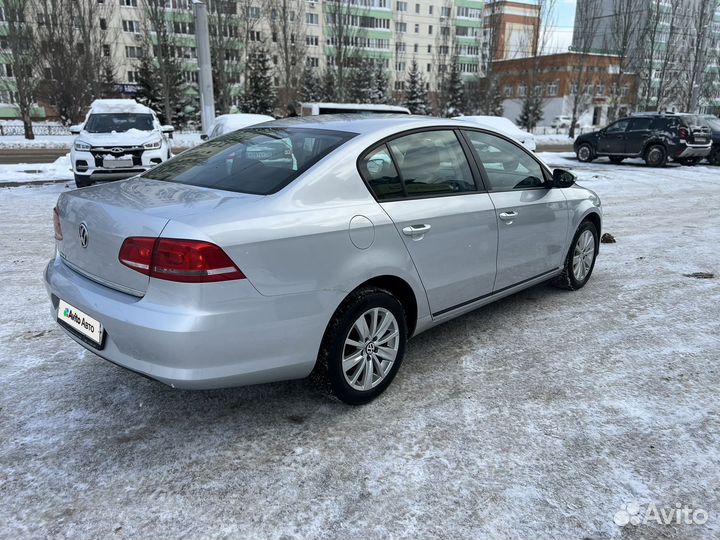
pixel 84 236
pixel 116 150
pixel 370 349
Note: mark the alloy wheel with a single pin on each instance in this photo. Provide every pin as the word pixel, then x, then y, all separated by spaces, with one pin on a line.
pixel 583 255
pixel 370 349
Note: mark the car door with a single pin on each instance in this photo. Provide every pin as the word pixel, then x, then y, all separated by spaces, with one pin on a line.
pixel 532 218
pixel 637 134
pixel 611 140
pixel 425 183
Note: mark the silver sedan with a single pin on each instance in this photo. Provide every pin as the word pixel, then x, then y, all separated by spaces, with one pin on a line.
pixel 311 245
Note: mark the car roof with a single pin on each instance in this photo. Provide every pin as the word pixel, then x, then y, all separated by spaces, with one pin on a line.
pixel 364 124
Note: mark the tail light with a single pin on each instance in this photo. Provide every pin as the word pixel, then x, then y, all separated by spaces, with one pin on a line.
pixel 683 132
pixel 188 261
pixel 56 224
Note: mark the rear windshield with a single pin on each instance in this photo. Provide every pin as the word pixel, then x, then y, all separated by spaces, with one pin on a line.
pixel 259 161
pixel 692 120
pixel 118 122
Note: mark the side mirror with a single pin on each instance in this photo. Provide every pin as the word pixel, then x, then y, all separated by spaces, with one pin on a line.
pixel 562 178
pixel 167 129
pixel 76 129
pixel 204 137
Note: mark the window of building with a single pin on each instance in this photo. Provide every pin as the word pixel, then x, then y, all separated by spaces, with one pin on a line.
pixel 313 41
pixel 399 85
pixel 133 76
pixel 314 61
pixel 552 88
pixel 507 91
pixel 400 27
pixel 430 29
pixel 417 28
pixel 429 48
pixel 133 52
pixel 401 6
pixel 444 11
pixel 415 48
pixel 521 90
pixel 312 18
pixel 600 89
pixel 399 66
pixel 130 26
pixel 106 50
pixel 129 3
pixel 400 46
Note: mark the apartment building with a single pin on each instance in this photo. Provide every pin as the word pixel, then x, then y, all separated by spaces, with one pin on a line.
pixel 511 29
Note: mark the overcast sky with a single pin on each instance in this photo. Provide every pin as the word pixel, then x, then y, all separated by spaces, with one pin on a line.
pixel 561 32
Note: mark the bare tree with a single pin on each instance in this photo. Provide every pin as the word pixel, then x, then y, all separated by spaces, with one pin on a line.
pixel 586 19
pixel 158 36
pixel 659 49
pixel 700 37
pixel 22 79
pixel 534 100
pixel 443 55
pixel 70 41
pixel 287 23
pixel 225 47
pixel 346 35
pixel 622 40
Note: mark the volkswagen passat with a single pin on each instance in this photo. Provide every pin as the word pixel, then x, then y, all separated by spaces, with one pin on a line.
pixel 311 245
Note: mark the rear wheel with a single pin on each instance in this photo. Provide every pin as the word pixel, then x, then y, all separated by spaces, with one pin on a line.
pixel 82 181
pixel 616 159
pixel 689 161
pixel 585 153
pixel 363 346
pixel 580 260
pixel 655 156
pixel 714 157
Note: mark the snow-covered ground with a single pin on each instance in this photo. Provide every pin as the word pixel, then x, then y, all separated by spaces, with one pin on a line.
pixel 37 172
pixel 180 140
pixel 552 138
pixel 536 417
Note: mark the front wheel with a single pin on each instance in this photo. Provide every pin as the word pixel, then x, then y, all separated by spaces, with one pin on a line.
pixel 363 346
pixel 585 153
pixel 580 260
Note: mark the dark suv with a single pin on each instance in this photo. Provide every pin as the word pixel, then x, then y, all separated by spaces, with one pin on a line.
pixel 714 123
pixel 656 137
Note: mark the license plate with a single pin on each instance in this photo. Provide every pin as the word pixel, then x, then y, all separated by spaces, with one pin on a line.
pixel 81 322
pixel 700 140
pixel 117 163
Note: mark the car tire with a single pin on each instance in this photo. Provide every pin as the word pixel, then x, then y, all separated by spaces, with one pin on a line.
pixel 689 161
pixel 580 260
pixel 349 359
pixel 82 181
pixel 616 159
pixel 585 153
pixel 714 157
pixel 656 156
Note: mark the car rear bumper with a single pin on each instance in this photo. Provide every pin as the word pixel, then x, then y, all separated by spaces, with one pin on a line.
pixel 693 151
pixel 246 339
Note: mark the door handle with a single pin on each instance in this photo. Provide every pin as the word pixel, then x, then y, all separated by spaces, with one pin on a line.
pixel 416 230
pixel 508 216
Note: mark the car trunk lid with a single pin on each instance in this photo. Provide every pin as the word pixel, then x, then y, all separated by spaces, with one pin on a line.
pixel 96 221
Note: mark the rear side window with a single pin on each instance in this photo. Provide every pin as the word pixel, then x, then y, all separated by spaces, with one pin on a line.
pixel 432 163
pixel 640 124
pixel 381 175
pixel 259 161
pixel 665 122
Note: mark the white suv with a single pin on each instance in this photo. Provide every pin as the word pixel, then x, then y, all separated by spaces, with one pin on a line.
pixel 119 138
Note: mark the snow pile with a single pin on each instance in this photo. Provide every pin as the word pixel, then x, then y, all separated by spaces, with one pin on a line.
pixel 105 106
pixel 37 172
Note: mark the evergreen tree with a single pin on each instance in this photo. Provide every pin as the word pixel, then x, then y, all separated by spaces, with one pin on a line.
pixel 259 95
pixel 107 84
pixel 532 110
pixel 361 83
pixel 381 84
pixel 149 87
pixel 329 85
pixel 415 92
pixel 453 91
pixel 311 88
pixel 486 97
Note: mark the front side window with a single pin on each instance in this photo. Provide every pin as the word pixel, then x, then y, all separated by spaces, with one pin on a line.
pixel 118 122
pixel 259 161
pixel 507 167
pixel 618 126
pixel 432 163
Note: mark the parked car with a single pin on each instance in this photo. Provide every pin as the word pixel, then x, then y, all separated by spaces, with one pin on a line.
pixel 503 125
pixel 657 137
pixel 217 269
pixel 561 122
pixel 225 123
pixel 314 109
pixel 119 138
pixel 713 123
